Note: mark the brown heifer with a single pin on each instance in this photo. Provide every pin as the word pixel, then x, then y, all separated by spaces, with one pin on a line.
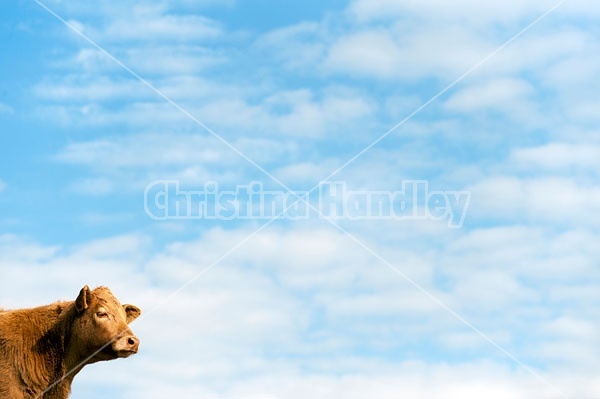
pixel 41 349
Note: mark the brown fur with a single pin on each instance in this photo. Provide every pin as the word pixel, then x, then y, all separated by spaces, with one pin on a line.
pixel 42 349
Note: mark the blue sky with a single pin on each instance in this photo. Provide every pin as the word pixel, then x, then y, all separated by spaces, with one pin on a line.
pixel 302 308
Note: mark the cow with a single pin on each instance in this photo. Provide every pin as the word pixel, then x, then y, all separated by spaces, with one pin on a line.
pixel 43 348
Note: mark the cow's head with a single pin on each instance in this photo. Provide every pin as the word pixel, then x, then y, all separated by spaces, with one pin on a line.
pixel 100 328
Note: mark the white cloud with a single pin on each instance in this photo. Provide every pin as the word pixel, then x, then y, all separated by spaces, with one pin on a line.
pixel 407 52
pixel 100 262
pixel 366 53
pixel 299 113
pixel 574 73
pixel 126 246
pixel 77 25
pixel 295 46
pixel 506 95
pixel 3 185
pixel 93 186
pixel 301 298
pixel 173 59
pixel 546 200
pixel 144 150
pixel 126 163
pixel 526 254
pixel 407 379
pixel 24 250
pixel 98 219
pixel 147 24
pixel 132 21
pixel 71 90
pixel 539 50
pixel 430 39
pixel 493 289
pixel 6 109
pixel 462 11
pixel 570 327
pixel 331 114
pixel 585 110
pixel 558 157
pixel 306 172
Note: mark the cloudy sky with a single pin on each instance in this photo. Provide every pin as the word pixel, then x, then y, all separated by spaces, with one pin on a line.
pixel 496 98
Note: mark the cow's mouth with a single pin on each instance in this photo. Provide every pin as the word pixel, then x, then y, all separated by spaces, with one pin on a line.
pixel 126 353
pixel 109 351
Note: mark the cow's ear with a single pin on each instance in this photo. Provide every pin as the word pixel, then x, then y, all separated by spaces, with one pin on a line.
pixel 83 300
pixel 132 312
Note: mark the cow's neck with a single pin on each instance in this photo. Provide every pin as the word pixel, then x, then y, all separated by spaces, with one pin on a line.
pixel 74 358
pixel 53 347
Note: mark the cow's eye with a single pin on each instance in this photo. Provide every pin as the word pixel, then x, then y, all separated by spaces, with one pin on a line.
pixel 102 315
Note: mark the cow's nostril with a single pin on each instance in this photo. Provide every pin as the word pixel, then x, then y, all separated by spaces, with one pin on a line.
pixel 131 341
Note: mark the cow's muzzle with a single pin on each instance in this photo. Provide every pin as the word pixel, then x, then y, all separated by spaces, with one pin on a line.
pixel 127 345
